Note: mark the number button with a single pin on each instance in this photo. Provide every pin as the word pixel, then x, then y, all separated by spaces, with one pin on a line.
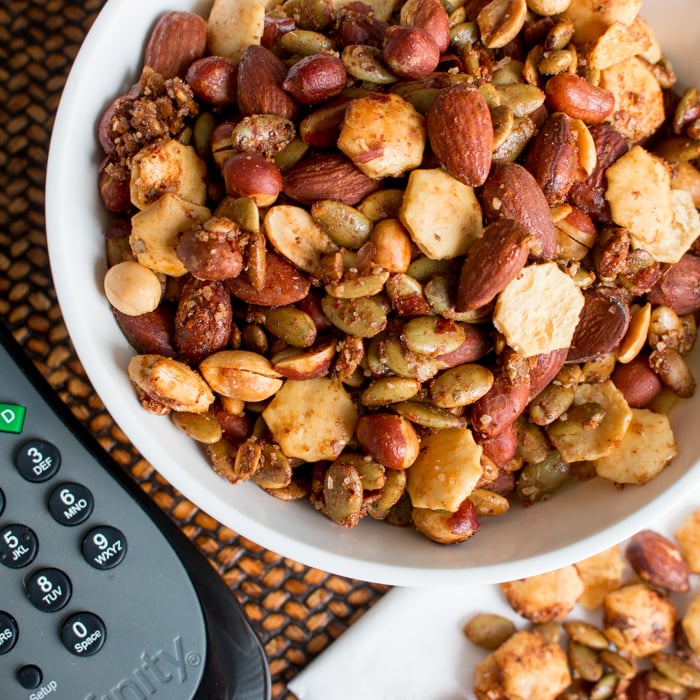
pixel 38 460
pixel 8 632
pixel 71 504
pixel 49 590
pixel 104 547
pixel 18 546
pixel 2 502
pixel 83 634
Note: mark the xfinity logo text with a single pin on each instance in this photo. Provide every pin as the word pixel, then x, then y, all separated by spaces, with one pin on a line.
pixel 153 675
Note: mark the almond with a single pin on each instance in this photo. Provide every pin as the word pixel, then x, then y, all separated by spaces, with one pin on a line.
pixel 553 158
pixel 327 176
pixel 177 39
pixel 511 191
pixel 658 561
pixel 493 261
pixel 602 325
pixel 259 84
pixel 461 133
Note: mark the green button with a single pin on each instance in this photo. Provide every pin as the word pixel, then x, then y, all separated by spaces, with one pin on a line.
pixel 11 417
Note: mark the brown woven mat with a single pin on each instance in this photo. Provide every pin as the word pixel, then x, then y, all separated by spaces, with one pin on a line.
pixel 296 610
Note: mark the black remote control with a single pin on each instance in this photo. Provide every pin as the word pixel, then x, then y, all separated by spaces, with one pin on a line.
pixel 101 596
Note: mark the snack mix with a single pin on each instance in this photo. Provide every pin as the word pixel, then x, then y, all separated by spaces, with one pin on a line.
pixel 643 640
pixel 418 261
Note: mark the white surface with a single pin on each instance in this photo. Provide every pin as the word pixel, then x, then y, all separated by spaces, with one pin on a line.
pixel 575 524
pixel 410 645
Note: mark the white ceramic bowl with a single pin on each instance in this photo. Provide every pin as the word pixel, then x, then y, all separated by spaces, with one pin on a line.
pixel 574 524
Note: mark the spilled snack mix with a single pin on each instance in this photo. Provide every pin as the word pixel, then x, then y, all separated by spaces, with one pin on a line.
pixel 413 260
pixel 644 645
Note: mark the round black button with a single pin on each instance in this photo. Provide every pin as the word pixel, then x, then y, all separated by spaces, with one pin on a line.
pixel 71 503
pixel 30 677
pixel 38 460
pixel 83 634
pixel 49 589
pixel 2 502
pixel 18 546
pixel 8 632
pixel 104 547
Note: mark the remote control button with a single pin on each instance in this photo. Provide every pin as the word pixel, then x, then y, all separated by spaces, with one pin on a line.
pixel 8 632
pixel 104 547
pixel 18 546
pixel 30 677
pixel 38 460
pixel 49 589
pixel 83 634
pixel 71 503
pixel 2 502
pixel 12 417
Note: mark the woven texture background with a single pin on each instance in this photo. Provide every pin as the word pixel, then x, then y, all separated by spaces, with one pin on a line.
pixel 296 610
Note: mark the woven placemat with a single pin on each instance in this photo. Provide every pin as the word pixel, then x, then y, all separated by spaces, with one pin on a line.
pixel 296 610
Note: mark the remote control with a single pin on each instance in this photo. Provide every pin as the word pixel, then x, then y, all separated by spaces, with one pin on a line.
pixel 101 596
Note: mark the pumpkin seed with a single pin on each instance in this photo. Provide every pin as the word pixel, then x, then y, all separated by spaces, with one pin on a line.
pixel 291 154
pixel 623 666
pixel 201 134
pixel 294 326
pixel 309 14
pixel 676 669
pixel 428 415
pixel 405 363
pixel 243 211
pixel 372 474
pixel 423 269
pixel 392 491
pixel 401 513
pixel 235 464
pixel 304 42
pixel 559 36
pixel 382 204
pixel 275 472
pixel 539 480
pixel 523 99
pixel 202 427
pixel 533 443
pixel 521 133
pixel 582 417
pixel 605 688
pixel 432 336
pixel 586 634
pixel 461 385
pixel 662 684
pixel 489 502
pixel 489 631
pixel 584 661
pixel 388 390
pixel 551 403
pixel 463 34
pixel 346 226
pixel 502 118
pixel 364 63
pixel 355 286
pixel 342 494
pixel 364 317
pixel 550 630
pixel 558 61
pixel 508 74
pixel 253 337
